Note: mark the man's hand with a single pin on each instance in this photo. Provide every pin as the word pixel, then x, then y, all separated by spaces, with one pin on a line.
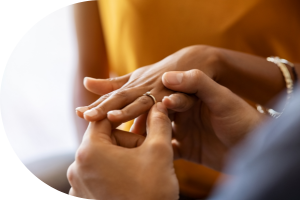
pixel 207 121
pixel 117 166
pixel 207 124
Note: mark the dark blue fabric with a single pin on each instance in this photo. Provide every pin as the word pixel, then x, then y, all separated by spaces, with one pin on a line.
pixel 267 165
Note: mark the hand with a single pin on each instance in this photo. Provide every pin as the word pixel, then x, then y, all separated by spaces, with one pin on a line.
pixel 249 76
pixel 125 93
pixel 208 122
pixel 206 128
pixel 103 170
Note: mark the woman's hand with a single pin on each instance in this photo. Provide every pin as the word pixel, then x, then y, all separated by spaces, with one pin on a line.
pixel 125 94
pixel 206 123
pixel 121 166
pixel 249 76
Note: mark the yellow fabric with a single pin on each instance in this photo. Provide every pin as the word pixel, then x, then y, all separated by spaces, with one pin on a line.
pixel 142 32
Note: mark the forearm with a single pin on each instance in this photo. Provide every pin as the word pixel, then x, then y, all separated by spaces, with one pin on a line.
pixel 92 58
pixel 249 76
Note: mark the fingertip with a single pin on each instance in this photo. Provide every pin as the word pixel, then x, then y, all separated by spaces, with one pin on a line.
pixel 161 108
pixel 86 82
pixel 81 110
pixel 167 102
pixel 79 114
pixel 92 115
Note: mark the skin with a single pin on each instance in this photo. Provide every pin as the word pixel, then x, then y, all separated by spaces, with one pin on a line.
pixel 92 60
pixel 93 63
pixel 112 165
pixel 233 70
pixel 108 166
pixel 249 76
pixel 207 123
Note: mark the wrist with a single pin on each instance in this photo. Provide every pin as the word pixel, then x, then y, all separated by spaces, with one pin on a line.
pixel 208 59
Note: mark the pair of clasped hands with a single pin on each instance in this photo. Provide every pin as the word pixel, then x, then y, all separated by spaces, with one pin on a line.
pixel 195 118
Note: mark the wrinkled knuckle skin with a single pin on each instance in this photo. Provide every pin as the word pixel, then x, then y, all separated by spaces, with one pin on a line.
pixel 101 99
pixel 195 77
pixel 106 96
pixel 196 74
pixel 121 94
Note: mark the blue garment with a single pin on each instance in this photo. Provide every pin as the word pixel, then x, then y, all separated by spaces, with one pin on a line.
pixel 267 165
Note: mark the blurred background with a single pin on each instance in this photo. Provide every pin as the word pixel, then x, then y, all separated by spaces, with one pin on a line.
pixel 37 98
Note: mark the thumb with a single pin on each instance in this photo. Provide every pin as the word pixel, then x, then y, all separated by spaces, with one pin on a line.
pixel 104 86
pixel 214 95
pixel 159 129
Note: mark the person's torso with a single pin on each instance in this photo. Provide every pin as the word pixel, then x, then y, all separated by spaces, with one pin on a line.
pixel 139 33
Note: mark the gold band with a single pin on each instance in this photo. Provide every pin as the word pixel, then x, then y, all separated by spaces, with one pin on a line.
pixel 150 95
pixel 285 72
pixel 281 63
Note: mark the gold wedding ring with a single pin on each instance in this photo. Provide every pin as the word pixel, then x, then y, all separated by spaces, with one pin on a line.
pixel 150 95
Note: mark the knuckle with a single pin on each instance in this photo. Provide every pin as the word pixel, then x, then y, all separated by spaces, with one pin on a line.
pixel 121 94
pixel 101 99
pixel 70 174
pixel 106 96
pixel 83 156
pixel 196 74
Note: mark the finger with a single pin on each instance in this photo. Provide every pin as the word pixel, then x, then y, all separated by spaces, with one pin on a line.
pixel 104 86
pixel 101 87
pixel 127 139
pixel 141 105
pixel 136 108
pixel 179 102
pixel 81 110
pixel 117 100
pixel 100 130
pixel 159 129
pixel 139 124
pixel 196 82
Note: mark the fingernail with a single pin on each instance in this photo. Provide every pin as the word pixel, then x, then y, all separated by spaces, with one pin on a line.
pixel 165 97
pixel 173 78
pixel 85 80
pixel 82 109
pixel 91 113
pixel 115 112
pixel 160 107
pixel 174 100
